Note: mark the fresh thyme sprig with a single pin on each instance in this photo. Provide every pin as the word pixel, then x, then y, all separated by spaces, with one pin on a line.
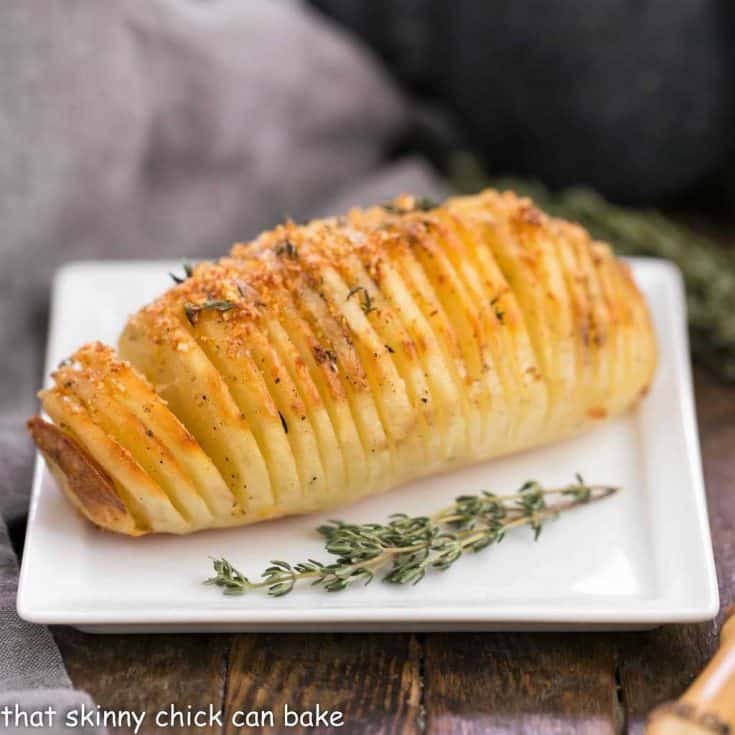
pixel 407 547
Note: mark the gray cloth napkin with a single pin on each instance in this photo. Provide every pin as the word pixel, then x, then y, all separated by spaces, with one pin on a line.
pixel 28 655
pixel 29 712
pixel 161 128
pixel 16 455
pixel 32 674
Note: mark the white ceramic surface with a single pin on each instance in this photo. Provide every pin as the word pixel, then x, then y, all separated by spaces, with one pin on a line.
pixel 637 560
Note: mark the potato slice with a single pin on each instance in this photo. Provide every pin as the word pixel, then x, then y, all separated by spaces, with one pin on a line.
pixel 420 290
pixel 444 415
pixel 294 286
pixel 321 492
pixel 601 338
pixel 314 371
pixel 615 287
pixel 147 503
pixel 524 378
pixel 494 365
pixel 642 351
pixel 323 366
pixel 87 486
pixel 362 311
pixel 160 347
pixel 615 346
pixel 400 346
pixel 466 324
pixel 152 455
pixel 334 337
pixel 525 256
pixel 249 390
pixel 579 312
pixel 291 414
pixel 136 395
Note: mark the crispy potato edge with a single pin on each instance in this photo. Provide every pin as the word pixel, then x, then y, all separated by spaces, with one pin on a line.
pixel 83 482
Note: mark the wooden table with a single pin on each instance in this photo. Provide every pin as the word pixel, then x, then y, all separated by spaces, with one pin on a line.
pixel 434 683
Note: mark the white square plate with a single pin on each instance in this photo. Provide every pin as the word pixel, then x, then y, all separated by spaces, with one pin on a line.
pixel 638 559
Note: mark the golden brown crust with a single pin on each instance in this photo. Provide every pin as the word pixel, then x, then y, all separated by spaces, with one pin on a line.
pixel 86 485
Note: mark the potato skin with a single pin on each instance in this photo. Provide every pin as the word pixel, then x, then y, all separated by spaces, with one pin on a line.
pixel 325 362
pixel 83 482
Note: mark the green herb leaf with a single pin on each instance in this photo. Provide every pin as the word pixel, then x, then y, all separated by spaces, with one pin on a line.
pixel 420 204
pixel 188 273
pixel 407 547
pixel 499 313
pixel 366 302
pixel 287 249
pixel 192 311
pixel 426 203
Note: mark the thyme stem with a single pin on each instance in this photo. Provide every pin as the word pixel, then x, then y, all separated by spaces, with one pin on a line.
pixel 409 546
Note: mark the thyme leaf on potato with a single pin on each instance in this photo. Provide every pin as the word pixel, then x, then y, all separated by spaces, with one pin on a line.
pixel 192 311
pixel 366 302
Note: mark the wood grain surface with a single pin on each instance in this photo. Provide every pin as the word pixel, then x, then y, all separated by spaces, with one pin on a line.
pixel 374 680
pixel 148 672
pixel 436 683
pixel 520 683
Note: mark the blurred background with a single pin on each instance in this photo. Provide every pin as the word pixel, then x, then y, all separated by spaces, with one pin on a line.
pixel 172 128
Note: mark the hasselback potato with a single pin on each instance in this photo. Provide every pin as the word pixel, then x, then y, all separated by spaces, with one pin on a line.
pixel 324 362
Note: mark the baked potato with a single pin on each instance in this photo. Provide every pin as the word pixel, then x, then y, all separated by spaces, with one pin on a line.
pixel 324 362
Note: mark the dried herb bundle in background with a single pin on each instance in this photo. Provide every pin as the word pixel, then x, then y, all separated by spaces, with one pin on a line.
pixel 708 269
